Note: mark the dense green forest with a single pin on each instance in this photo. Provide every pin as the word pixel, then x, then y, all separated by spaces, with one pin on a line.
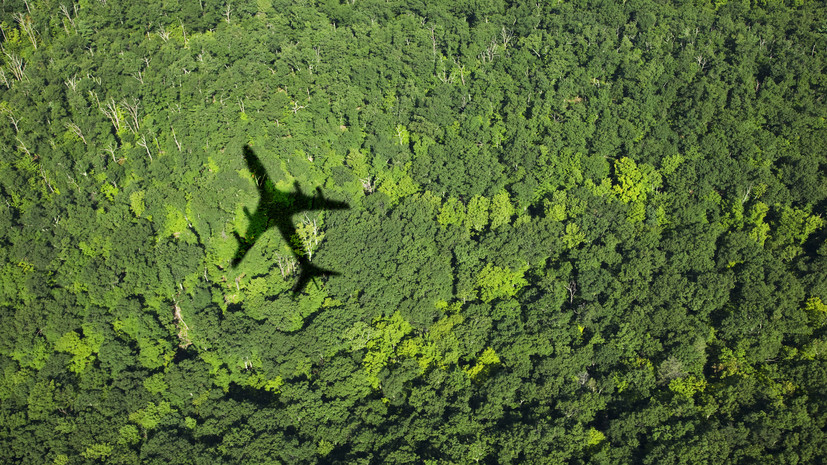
pixel 579 231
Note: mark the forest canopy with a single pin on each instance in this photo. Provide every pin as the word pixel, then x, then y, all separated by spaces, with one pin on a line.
pixel 578 231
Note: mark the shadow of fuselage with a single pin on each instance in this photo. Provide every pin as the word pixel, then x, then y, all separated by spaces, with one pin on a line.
pixel 276 209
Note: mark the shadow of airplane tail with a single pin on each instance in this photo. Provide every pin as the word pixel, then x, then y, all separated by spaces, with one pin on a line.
pixel 308 272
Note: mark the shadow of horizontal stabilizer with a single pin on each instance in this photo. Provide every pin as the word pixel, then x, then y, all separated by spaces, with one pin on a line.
pixel 310 272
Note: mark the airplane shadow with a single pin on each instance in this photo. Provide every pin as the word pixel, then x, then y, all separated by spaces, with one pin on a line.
pixel 275 209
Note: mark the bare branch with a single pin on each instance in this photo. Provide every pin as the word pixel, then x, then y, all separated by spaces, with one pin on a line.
pixel 45 179
pixel 7 111
pixel 16 64
pixel 178 144
pixel 506 36
pixel 25 23
pixel 286 264
pixel 572 288
pixel 142 143
pixel 368 184
pixel 111 151
pixel 72 83
pixel 75 129
pixel 22 147
pixel 186 40
pixel 227 12
pixel 112 111
pixel 65 12
pixel 163 33
pixel 132 109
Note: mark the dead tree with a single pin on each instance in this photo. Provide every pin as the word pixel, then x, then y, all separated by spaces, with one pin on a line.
pixel 132 108
pixel 112 111
pixel 25 22
pixel 15 64
pixel 65 12
pixel 75 129
pixel 142 143
pixel 72 83
pixel 572 288
pixel 227 12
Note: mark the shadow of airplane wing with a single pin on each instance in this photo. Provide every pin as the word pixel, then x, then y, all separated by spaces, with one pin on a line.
pixel 321 203
pixel 265 198
pixel 260 174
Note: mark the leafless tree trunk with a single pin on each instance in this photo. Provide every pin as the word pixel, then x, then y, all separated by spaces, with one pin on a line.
pixel 72 83
pixel 65 12
pixel 25 23
pixel 14 122
pixel 178 144
pixel 506 36
pixel 163 33
pixel 74 128
pixel 112 112
pixel 572 288
pixel 132 109
pixel 22 147
pixel 227 12
pixel 111 151
pixel 7 111
pixel 183 329
pixel 433 41
pixel 16 64
pixel 368 184
pixel 142 143
pixel 286 265
pixel 45 179
pixel 461 69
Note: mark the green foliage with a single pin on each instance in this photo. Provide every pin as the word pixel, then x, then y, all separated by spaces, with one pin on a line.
pixel 633 182
pixel 155 384
pixel 397 184
pixel 82 348
pixel 174 224
pixel 792 230
pixel 128 435
pixel 386 334
pixel 671 163
pixel 577 232
pixel 501 210
pixel 494 282
pixel 99 451
pixel 816 311
pixel 688 386
pixel 477 216
pixel 760 230
pixel 487 361
pixel 152 415
pixel 595 437
pixel 573 236
pixel 451 212
pixel 136 203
